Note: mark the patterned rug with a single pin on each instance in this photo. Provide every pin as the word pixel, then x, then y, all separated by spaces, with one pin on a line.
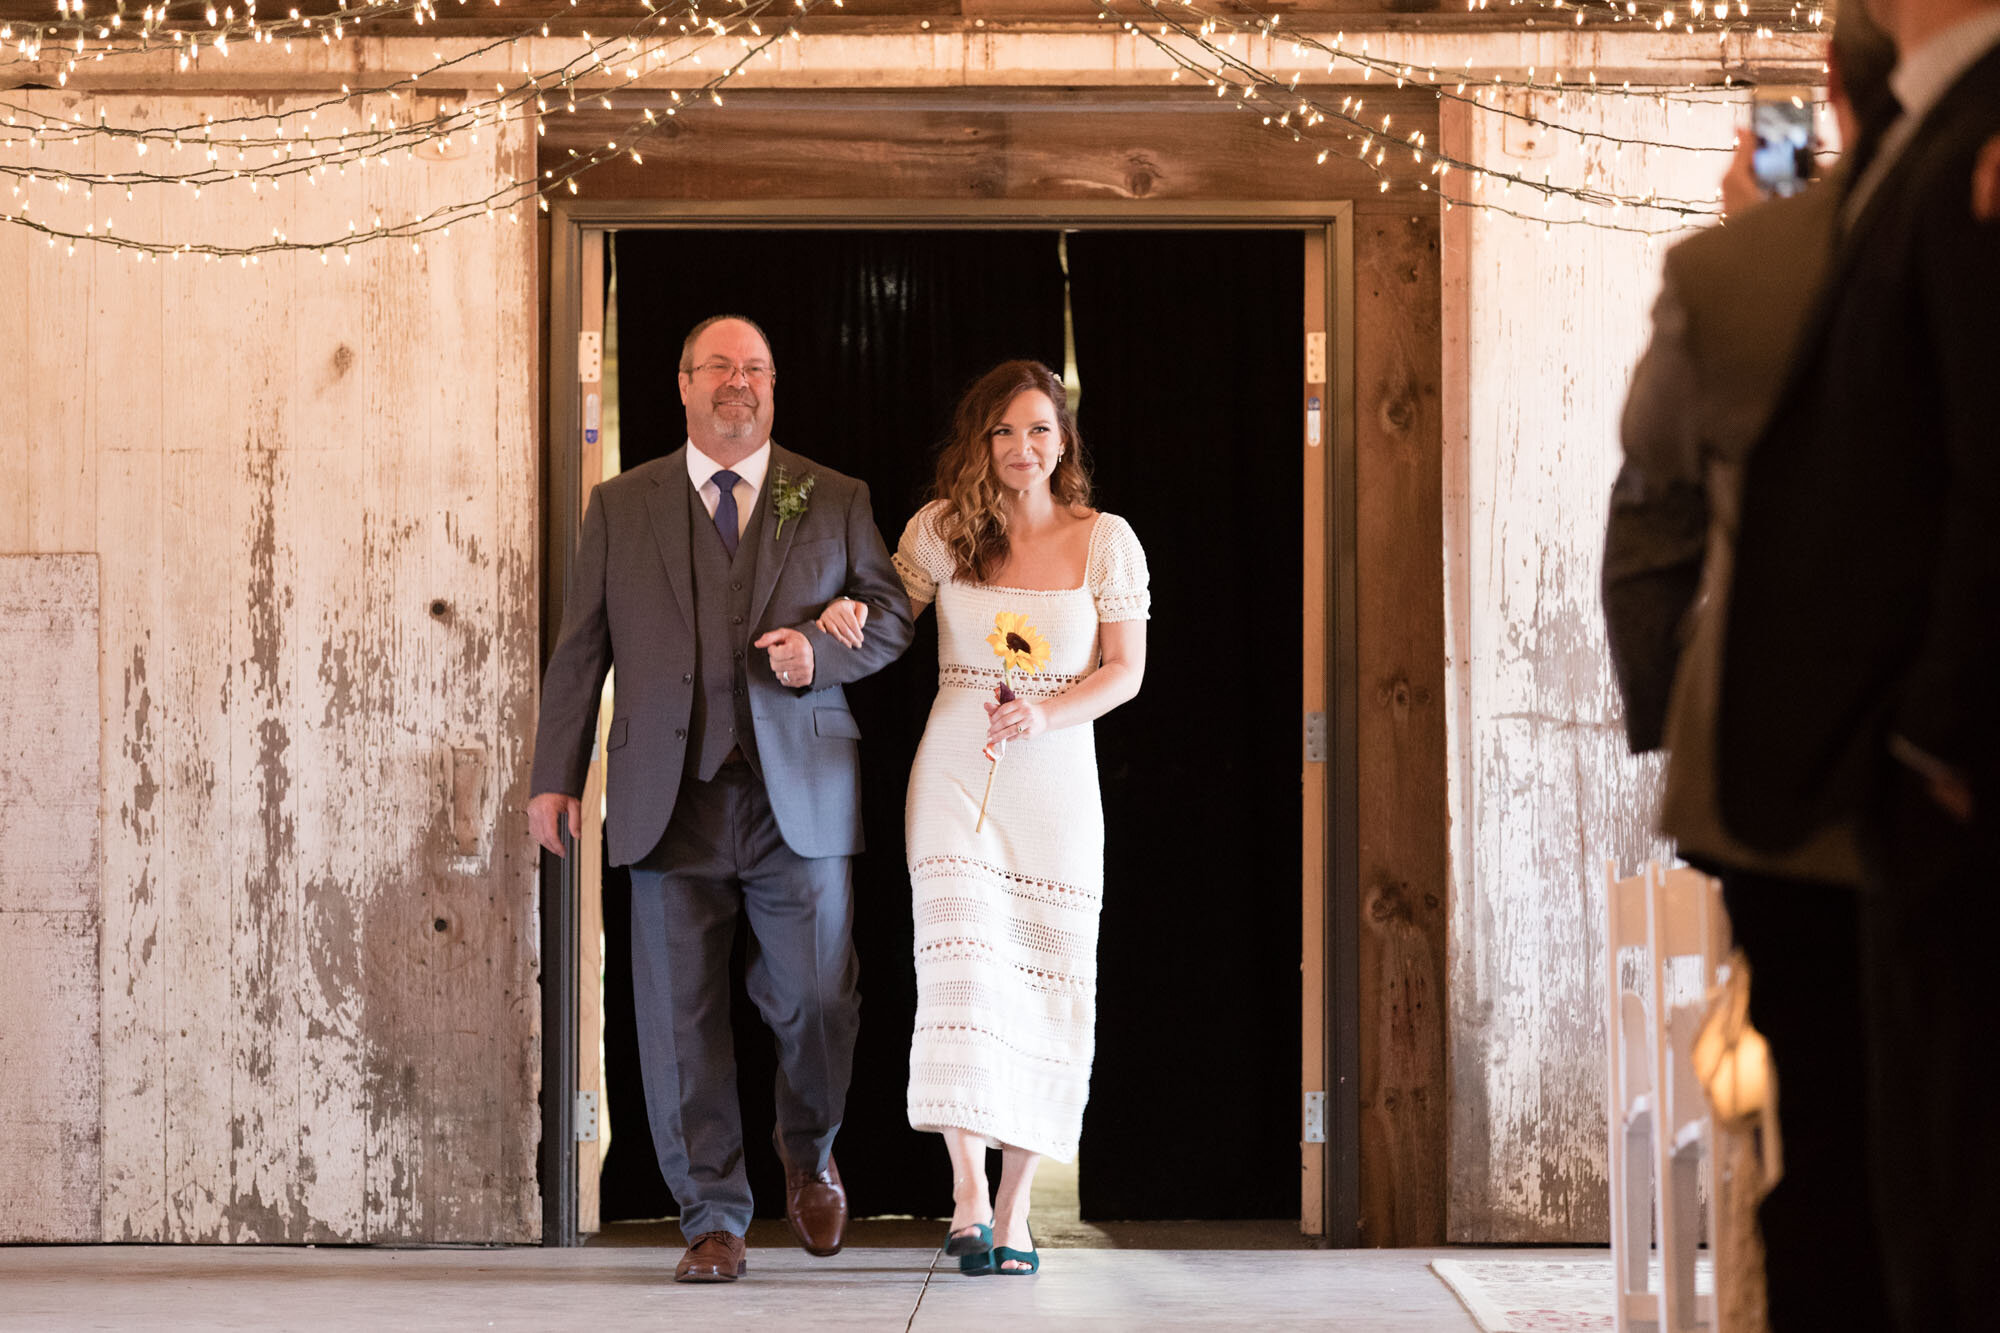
pixel 1545 1295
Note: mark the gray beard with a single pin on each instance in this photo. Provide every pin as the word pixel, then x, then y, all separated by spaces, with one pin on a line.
pixel 727 428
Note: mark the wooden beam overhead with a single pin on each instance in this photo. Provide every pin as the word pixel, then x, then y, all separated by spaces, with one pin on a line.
pixel 1058 59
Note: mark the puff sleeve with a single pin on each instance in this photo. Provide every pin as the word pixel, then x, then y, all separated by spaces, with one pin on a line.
pixel 922 558
pixel 1118 577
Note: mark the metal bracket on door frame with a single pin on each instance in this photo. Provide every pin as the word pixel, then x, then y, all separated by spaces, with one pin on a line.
pixel 1315 738
pixel 1313 1125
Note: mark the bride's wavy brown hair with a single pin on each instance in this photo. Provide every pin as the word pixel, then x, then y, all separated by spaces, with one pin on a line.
pixel 974 520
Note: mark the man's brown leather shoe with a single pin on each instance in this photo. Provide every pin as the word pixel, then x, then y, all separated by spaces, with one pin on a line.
pixel 817 1207
pixel 715 1256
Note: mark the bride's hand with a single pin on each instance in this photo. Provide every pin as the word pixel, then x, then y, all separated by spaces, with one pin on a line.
pixel 844 619
pixel 1017 720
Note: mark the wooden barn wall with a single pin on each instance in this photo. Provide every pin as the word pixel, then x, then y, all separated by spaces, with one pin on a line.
pixel 49 1066
pixel 1543 326
pixel 1208 153
pixel 311 493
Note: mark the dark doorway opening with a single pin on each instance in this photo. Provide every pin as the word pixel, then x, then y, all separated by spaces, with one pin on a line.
pixel 1186 349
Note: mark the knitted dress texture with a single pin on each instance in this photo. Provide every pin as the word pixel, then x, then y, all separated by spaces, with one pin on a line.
pixel 1006 918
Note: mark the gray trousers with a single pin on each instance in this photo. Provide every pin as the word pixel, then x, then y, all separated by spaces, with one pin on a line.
pixel 721 854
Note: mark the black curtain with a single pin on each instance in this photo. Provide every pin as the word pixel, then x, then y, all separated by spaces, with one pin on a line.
pixel 875 335
pixel 1190 348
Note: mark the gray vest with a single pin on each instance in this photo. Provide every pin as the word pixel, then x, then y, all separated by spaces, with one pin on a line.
pixel 722 590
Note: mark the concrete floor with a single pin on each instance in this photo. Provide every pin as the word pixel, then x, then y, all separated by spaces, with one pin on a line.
pixel 1126 1275
pixel 627 1284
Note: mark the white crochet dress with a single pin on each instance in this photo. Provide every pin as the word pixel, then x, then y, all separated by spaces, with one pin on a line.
pixel 1006 918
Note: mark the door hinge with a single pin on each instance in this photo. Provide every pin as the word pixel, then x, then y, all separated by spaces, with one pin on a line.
pixel 1315 1118
pixel 1315 358
pixel 589 357
pixel 586 1117
pixel 1315 738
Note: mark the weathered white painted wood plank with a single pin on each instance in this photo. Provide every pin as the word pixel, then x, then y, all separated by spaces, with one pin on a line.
pixel 333 697
pixel 62 466
pixel 265 1055
pixel 517 660
pixel 405 795
pixel 126 338
pixel 16 499
pixel 204 510
pixel 135 797
pixel 50 1068
pixel 1543 790
pixel 474 1065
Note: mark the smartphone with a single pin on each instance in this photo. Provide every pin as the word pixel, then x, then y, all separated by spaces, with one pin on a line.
pixel 1782 120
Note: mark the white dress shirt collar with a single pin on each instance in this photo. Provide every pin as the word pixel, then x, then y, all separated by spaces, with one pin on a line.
pixel 1921 78
pixel 701 468
pixel 1924 75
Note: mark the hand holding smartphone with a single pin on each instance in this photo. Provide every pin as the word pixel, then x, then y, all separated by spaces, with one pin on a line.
pixel 1782 121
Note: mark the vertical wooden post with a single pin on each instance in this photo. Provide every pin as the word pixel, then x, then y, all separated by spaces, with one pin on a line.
pixel 590 842
pixel 1313 784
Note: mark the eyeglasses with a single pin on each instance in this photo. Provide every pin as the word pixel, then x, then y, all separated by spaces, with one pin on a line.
pixel 753 372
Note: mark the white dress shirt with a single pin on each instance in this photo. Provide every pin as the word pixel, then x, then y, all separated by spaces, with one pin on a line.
pixel 1922 77
pixel 749 481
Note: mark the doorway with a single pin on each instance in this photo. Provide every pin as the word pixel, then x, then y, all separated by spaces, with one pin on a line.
pixel 1183 344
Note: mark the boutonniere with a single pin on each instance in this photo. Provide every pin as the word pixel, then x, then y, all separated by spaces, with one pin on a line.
pixel 1020 647
pixel 790 499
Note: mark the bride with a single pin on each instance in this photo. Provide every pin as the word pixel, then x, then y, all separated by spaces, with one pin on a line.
pixel 1042 603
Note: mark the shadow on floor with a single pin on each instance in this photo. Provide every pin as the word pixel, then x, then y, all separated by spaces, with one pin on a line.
pixel 905 1233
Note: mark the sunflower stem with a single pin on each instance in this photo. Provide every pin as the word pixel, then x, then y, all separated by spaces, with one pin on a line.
pixel 980 825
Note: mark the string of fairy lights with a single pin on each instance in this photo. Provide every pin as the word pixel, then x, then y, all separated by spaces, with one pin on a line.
pixel 1237 54
pixel 1188 37
pixel 636 49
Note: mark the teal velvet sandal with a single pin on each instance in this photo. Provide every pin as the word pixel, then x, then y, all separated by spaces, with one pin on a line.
pixel 976 1265
pixel 979 1242
pixel 1003 1254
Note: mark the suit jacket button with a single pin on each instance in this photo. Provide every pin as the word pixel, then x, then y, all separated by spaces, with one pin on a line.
pixel 736 587
pixel 687 677
pixel 736 620
pixel 680 733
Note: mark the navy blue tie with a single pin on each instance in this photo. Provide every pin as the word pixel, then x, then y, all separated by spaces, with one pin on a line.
pixel 725 510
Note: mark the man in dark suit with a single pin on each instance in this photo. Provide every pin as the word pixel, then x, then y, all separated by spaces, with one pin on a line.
pixel 734 776
pixel 1863 646
pixel 1733 303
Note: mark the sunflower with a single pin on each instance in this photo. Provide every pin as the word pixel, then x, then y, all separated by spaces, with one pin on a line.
pixel 1018 645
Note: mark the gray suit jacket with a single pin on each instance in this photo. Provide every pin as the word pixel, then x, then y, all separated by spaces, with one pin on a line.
pixel 630 602
pixel 1732 308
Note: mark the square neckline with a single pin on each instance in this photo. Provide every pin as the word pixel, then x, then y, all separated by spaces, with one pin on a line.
pixel 1089 554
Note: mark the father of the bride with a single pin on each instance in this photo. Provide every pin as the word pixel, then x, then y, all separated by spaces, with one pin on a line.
pixel 733 780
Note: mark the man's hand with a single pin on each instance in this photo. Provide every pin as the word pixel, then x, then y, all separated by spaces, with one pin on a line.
pixel 1986 182
pixel 791 657
pixel 845 620
pixel 1947 786
pixel 544 815
pixel 1740 190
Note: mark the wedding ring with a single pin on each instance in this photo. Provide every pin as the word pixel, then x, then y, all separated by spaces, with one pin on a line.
pixel 1020 727
pixel 785 676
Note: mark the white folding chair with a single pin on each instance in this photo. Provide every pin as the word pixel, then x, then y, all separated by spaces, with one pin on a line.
pixel 1657 1115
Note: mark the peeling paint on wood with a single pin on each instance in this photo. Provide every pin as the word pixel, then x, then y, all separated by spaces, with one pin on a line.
pixel 50 1066
pixel 1543 790
pixel 282 466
